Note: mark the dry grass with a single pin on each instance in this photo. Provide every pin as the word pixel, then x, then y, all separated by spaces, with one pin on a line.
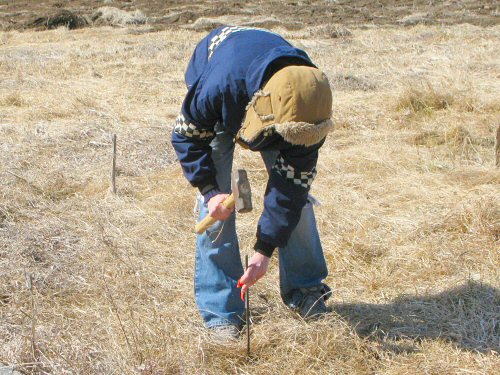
pixel 116 17
pixel 427 99
pixel 409 214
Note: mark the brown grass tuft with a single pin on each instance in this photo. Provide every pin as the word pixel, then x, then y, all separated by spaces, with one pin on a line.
pixel 425 99
pixel 13 99
pixel 330 31
pixel 429 139
pixel 459 136
pixel 456 137
pixel 477 217
pixel 116 17
pixel 350 82
pixel 63 18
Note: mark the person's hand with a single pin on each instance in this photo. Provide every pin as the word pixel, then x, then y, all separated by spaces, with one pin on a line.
pixel 257 268
pixel 216 209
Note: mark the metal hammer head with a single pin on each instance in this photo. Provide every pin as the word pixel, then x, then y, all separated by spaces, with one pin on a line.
pixel 241 191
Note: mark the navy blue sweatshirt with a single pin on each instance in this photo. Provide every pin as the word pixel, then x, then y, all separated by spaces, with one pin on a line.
pixel 227 67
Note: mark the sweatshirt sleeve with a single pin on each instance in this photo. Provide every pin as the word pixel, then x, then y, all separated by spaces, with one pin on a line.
pixel 287 189
pixel 191 143
pixel 194 127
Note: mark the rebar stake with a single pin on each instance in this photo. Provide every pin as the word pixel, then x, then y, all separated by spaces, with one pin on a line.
pixel 247 310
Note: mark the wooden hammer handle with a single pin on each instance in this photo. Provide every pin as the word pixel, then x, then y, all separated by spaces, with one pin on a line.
pixel 208 221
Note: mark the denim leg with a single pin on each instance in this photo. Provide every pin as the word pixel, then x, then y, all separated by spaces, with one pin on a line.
pixel 301 262
pixel 218 265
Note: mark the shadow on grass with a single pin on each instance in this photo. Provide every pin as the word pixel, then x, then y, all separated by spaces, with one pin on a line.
pixel 467 315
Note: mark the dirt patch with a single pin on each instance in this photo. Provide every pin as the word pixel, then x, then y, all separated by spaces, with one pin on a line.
pixel 167 14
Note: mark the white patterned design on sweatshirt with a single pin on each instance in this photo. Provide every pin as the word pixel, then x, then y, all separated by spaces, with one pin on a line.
pixel 224 33
pixel 285 170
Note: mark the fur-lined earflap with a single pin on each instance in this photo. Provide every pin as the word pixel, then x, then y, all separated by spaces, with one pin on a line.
pixel 303 133
pixel 296 133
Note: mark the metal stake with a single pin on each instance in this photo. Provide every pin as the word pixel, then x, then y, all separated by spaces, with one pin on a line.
pixel 247 310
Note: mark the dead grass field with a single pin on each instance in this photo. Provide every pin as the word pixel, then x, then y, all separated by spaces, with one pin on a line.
pixel 409 217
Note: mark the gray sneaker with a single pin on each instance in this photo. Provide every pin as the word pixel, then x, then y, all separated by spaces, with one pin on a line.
pixel 224 334
pixel 310 302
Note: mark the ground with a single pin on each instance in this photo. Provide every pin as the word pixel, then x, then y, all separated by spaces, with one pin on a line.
pixel 20 14
pixel 409 213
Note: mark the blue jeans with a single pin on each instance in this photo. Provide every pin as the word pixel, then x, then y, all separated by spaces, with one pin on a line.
pixel 218 264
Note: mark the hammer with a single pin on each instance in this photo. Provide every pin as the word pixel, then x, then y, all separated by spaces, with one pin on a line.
pixel 241 199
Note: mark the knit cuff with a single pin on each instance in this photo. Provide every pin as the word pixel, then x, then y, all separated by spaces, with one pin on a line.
pixel 208 189
pixel 264 248
pixel 210 194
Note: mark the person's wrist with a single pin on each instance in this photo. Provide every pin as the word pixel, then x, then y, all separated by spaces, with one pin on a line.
pixel 264 254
